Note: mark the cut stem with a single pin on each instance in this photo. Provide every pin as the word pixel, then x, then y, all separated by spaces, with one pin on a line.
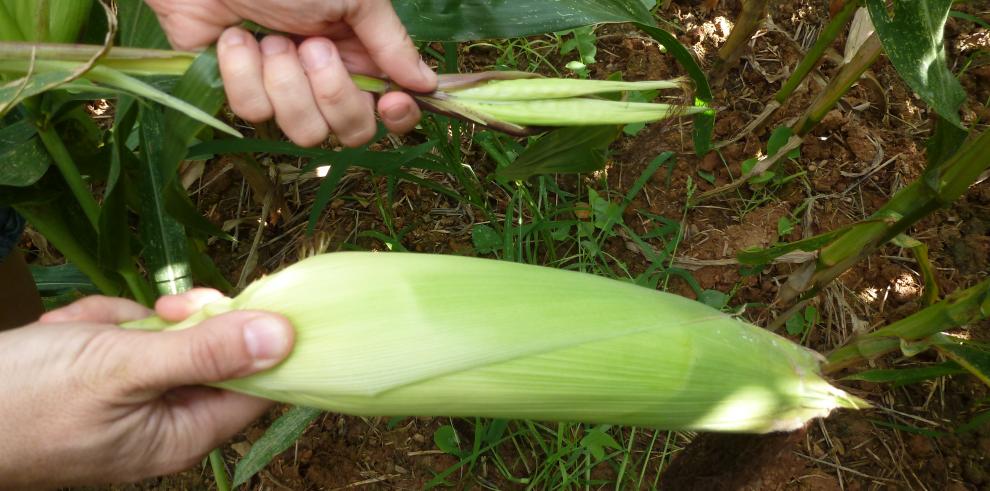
pixel 746 24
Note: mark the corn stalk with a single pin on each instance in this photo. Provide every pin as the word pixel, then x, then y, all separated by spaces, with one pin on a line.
pixel 959 309
pixel 807 64
pixel 939 187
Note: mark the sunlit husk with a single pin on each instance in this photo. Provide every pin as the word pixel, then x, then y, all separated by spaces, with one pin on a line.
pixel 523 103
pixel 408 334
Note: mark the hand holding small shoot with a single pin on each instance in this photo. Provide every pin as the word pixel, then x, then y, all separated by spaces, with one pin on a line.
pixel 306 88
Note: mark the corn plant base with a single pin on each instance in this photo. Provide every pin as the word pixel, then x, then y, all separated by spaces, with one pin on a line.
pixel 428 335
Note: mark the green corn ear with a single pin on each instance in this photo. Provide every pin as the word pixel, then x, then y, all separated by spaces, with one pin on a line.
pixel 522 103
pixel 410 334
pixel 554 88
pixel 575 112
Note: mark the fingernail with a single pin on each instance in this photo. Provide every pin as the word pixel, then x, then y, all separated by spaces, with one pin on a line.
pixel 396 113
pixel 233 37
pixel 267 340
pixel 273 45
pixel 316 56
pixel 429 76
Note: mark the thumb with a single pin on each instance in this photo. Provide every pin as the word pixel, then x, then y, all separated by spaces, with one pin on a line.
pixel 381 32
pixel 228 346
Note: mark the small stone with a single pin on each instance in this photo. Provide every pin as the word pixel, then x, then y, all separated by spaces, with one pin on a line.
pixel 242 448
pixel 419 438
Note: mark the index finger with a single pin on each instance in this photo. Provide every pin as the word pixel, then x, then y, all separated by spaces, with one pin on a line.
pixel 378 27
pixel 100 310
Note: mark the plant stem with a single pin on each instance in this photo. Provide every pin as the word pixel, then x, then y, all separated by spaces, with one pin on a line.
pixel 66 166
pixel 139 288
pixel 132 61
pixel 960 308
pixel 814 55
pixel 848 75
pixel 219 470
pixel 903 210
pixel 747 22
pixel 48 221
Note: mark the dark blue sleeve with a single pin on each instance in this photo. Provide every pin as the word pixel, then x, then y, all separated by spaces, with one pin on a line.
pixel 11 226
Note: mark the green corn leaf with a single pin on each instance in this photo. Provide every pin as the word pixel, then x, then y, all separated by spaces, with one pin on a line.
pixel 10 29
pixel 913 38
pixel 138 26
pixel 974 423
pixel 114 230
pixel 757 257
pixel 567 150
pixel 163 237
pixel 51 70
pixel 12 93
pixel 704 122
pixel 66 18
pixel 24 159
pixel 465 20
pixel 973 356
pixel 280 436
pixel 945 140
pixel 201 88
pixel 907 376
pixel 61 278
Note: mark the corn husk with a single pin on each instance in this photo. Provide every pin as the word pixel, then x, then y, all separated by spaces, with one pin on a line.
pixel 522 103
pixel 427 335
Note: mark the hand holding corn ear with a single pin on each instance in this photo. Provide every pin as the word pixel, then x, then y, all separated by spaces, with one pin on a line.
pixel 306 88
pixel 86 402
pixel 386 334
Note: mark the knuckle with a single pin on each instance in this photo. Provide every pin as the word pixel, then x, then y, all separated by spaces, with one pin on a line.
pixel 101 370
pixel 255 109
pixel 358 137
pixel 332 94
pixel 309 138
pixel 281 82
pixel 206 357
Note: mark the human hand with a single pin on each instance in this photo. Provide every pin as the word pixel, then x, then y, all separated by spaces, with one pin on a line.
pixel 306 88
pixel 85 401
